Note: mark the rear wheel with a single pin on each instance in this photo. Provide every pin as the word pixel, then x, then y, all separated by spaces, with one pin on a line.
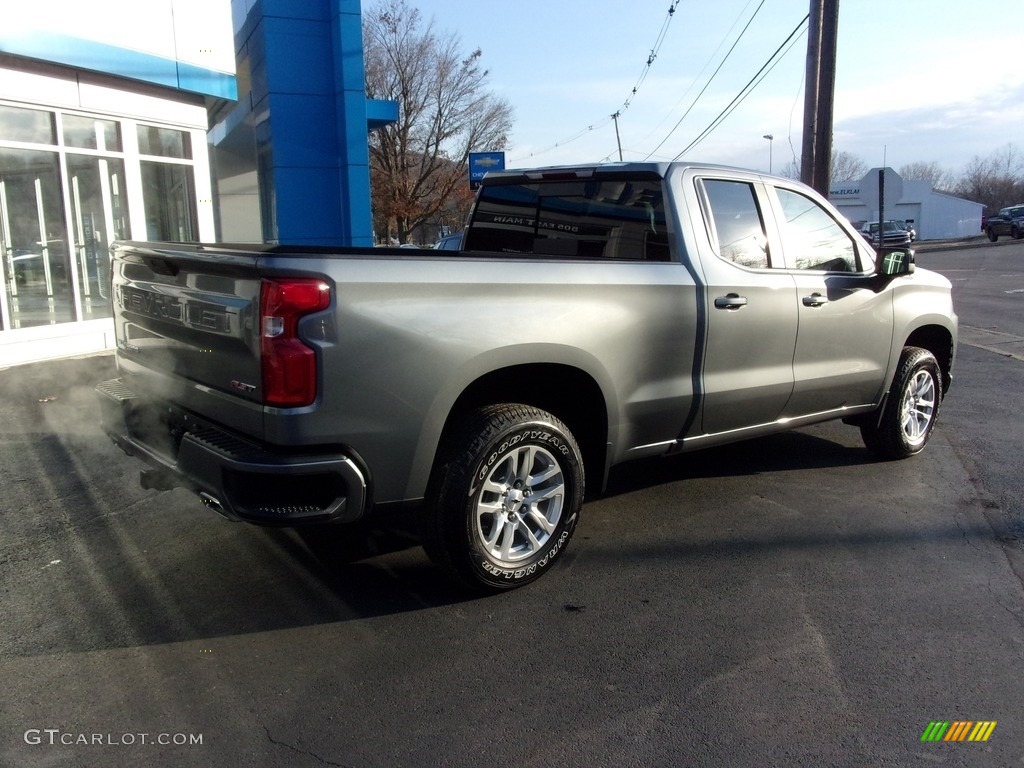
pixel 506 499
pixel 1015 233
pixel 911 409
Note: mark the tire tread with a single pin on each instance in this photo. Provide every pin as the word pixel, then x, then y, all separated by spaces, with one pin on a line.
pixel 884 437
pixel 442 531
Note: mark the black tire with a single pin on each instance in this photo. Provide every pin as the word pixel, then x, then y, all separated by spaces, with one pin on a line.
pixel 1015 233
pixel 505 499
pixel 911 409
pixel 992 236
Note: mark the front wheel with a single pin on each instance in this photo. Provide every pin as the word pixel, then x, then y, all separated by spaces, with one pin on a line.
pixel 911 409
pixel 992 236
pixel 506 498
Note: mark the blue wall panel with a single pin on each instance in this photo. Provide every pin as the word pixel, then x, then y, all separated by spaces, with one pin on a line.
pixel 299 55
pixel 307 74
pixel 302 136
pixel 308 210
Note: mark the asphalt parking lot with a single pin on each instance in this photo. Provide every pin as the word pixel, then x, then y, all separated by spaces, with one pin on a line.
pixel 787 601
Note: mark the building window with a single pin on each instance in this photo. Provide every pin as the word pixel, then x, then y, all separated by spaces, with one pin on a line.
pixel 170 199
pixel 30 126
pixel 92 133
pixel 164 142
pixel 65 184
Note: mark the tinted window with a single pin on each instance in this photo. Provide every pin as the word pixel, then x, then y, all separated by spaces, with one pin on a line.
pixel 737 229
pixel 579 219
pixel 812 238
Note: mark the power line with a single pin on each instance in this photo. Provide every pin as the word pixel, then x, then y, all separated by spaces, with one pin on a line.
pixel 652 56
pixel 710 80
pixel 654 53
pixel 762 73
pixel 700 74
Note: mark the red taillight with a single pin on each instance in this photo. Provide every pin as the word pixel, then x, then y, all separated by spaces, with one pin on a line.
pixel 289 366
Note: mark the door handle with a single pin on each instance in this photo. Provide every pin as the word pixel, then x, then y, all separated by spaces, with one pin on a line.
pixel 815 300
pixel 731 301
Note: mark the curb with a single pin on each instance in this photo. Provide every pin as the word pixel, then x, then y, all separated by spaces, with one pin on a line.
pixel 932 246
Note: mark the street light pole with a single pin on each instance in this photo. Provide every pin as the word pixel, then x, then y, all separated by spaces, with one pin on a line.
pixel 770 138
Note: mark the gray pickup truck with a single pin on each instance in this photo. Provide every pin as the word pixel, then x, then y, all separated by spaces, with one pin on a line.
pixel 594 316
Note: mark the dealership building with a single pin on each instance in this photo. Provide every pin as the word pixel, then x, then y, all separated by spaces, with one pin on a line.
pixel 240 121
pixel 935 215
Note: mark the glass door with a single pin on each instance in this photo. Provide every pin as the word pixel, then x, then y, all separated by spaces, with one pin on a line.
pixel 99 216
pixel 36 279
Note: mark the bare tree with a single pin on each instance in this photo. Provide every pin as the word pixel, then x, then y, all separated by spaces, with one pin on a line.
pixel 931 172
pixel 790 170
pixel 846 166
pixel 419 165
pixel 996 181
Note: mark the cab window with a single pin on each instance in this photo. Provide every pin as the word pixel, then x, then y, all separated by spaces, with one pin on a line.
pixel 811 238
pixel 620 218
pixel 735 224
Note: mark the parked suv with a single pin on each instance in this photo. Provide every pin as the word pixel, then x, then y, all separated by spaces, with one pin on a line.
pixel 1009 221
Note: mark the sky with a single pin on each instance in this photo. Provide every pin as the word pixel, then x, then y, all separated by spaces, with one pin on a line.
pixel 916 81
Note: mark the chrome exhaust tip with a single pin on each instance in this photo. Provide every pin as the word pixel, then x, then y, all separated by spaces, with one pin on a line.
pixel 214 503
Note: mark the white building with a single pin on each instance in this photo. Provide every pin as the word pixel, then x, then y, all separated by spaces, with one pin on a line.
pixel 935 215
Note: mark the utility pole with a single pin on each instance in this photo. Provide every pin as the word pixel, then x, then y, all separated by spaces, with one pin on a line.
pixel 819 94
pixel 615 117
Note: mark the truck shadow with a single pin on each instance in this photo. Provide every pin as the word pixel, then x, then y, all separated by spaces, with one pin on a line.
pixel 334 547
pixel 784 452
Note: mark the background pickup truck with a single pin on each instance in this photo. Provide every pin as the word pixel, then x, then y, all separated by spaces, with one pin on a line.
pixel 1009 221
pixel 595 315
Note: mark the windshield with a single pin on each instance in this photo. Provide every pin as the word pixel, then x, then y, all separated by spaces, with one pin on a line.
pixel 890 226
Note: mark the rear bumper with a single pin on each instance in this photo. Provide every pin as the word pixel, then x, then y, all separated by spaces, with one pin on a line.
pixel 238 478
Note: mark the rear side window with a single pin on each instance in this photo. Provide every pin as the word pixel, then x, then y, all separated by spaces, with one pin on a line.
pixel 612 218
pixel 737 230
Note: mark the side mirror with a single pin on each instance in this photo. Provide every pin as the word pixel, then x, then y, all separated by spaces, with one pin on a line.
pixel 894 262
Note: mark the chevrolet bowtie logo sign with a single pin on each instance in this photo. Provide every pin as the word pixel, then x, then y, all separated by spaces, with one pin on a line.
pixel 482 162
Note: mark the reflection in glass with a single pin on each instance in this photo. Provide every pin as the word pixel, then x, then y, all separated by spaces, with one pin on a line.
pixel 33 126
pixel 738 225
pixel 92 133
pixel 36 287
pixel 812 238
pixel 100 215
pixel 168 191
pixel 164 142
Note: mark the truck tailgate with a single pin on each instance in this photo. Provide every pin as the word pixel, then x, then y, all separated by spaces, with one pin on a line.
pixel 186 323
pixel 207 348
